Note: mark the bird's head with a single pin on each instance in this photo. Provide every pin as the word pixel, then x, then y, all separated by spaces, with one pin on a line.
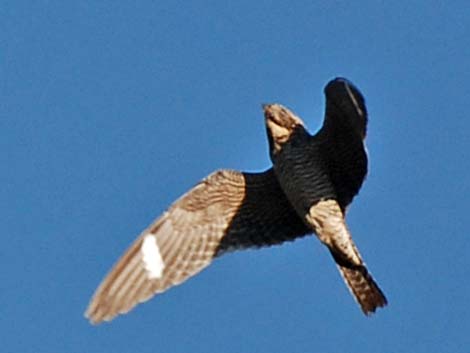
pixel 281 125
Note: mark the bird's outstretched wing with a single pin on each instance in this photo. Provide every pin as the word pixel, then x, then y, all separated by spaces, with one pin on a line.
pixel 226 211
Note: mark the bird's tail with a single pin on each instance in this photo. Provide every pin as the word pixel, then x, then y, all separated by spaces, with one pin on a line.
pixel 362 286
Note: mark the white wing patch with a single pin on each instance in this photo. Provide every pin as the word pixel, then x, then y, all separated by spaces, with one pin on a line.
pixel 152 258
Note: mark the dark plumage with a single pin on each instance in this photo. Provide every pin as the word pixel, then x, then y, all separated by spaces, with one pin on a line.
pixel 313 180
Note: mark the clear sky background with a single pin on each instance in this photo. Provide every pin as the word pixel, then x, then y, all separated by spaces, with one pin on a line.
pixel 111 110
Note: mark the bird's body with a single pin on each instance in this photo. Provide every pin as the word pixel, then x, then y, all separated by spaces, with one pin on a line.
pixel 313 180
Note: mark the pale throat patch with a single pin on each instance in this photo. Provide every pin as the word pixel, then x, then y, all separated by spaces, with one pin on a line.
pixel 278 132
pixel 151 257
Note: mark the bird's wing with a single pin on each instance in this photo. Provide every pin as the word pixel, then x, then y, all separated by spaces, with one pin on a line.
pixel 344 129
pixel 345 105
pixel 226 211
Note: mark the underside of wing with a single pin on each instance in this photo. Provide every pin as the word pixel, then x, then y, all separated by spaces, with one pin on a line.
pixel 226 211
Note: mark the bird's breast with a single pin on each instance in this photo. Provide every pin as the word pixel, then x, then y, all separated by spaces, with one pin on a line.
pixel 303 176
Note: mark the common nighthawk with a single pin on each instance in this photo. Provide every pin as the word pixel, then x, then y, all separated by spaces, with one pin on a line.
pixel 312 181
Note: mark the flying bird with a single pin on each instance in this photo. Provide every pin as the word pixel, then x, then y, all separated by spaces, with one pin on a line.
pixel 308 189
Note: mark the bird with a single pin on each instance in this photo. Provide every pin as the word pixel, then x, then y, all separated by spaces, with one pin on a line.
pixel 312 181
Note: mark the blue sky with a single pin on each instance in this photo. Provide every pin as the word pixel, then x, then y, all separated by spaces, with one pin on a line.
pixel 109 111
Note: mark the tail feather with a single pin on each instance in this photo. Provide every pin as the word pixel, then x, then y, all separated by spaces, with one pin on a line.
pixel 363 287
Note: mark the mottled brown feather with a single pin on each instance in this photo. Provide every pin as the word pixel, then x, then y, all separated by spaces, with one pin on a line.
pixel 226 211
